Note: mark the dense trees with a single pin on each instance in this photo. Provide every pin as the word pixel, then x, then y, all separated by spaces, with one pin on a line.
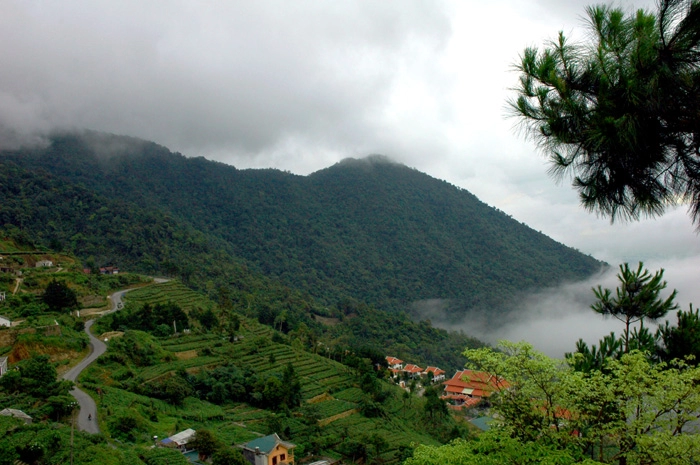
pixel 620 113
pixel 285 248
pixel 37 377
pixel 161 319
pixel 371 230
pixel 632 412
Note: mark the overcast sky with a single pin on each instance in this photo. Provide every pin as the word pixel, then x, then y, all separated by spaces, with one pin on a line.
pixel 299 85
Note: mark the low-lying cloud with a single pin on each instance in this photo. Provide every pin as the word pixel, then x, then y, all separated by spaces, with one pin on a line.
pixel 553 319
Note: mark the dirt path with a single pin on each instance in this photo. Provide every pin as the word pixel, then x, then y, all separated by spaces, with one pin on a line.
pixel 87 416
pixel 18 281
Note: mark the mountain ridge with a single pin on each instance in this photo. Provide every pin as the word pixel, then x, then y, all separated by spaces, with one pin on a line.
pixel 368 229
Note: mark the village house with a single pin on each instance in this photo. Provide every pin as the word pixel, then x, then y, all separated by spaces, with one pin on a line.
pixel 467 388
pixel 438 374
pixel 413 371
pixel 395 365
pixel 269 450
pixel 5 321
pixel 44 264
pixel 179 440
pixel 109 270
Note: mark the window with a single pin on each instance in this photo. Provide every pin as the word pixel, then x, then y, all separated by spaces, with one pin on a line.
pixel 282 457
pixel 274 460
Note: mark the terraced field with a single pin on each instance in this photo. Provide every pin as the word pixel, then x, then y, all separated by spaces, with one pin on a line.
pixel 186 342
pixel 327 387
pixel 171 291
pixel 318 374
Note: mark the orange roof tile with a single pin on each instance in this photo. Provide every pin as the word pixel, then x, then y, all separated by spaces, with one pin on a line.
pixel 478 383
pixel 411 368
pixel 435 370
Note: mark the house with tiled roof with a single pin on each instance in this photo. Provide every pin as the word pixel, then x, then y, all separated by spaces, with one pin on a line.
pixel 109 270
pixel 468 387
pixel 412 370
pixel 438 374
pixel 269 450
pixel 394 363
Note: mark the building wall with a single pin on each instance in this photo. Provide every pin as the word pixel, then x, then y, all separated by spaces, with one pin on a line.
pixel 277 454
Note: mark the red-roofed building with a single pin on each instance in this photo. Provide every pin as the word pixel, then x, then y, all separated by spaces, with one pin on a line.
pixel 413 370
pixel 438 374
pixel 109 270
pixel 394 363
pixel 468 387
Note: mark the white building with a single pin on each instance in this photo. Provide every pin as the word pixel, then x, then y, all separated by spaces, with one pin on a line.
pixel 179 440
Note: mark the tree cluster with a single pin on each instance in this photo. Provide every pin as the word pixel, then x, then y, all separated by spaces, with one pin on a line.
pixel 229 383
pixel 632 412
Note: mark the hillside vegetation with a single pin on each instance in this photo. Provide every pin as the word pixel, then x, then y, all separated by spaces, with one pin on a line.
pixel 223 372
pixel 369 231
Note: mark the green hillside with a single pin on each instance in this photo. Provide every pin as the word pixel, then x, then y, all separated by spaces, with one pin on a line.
pixel 238 381
pixel 235 386
pixel 368 230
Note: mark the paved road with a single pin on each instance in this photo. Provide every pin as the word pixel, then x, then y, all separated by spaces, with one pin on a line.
pixel 97 348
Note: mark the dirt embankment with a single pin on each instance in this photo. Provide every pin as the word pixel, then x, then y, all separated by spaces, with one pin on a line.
pixel 8 337
pixel 22 351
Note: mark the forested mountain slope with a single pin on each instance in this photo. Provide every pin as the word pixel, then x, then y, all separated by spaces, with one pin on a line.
pixel 367 230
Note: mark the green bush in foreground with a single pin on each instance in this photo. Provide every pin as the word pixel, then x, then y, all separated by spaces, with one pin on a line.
pixel 631 412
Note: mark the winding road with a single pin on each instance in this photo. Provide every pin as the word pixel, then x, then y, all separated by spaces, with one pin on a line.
pixel 97 348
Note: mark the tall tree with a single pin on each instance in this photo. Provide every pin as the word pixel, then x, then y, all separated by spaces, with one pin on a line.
pixel 206 443
pixel 637 298
pixel 621 114
pixel 59 297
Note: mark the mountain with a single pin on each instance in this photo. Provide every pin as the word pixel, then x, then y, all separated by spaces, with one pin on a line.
pixel 362 231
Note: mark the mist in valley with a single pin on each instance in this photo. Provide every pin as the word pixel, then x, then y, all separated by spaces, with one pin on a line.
pixel 553 319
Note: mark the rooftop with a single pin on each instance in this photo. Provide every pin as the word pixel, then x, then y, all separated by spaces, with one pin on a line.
pixel 267 443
